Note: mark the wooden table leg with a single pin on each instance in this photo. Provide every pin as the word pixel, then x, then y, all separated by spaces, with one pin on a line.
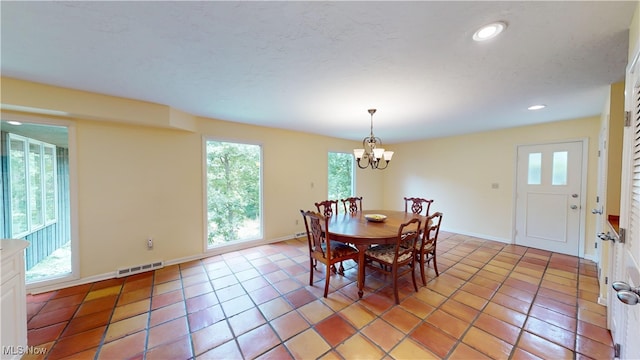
pixel 361 266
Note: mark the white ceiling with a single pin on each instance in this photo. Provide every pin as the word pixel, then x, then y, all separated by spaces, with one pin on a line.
pixel 318 66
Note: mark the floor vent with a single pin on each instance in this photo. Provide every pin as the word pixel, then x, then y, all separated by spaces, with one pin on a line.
pixel 300 234
pixel 138 269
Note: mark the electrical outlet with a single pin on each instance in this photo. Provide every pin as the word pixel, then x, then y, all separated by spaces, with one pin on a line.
pixel 150 243
pixel 296 221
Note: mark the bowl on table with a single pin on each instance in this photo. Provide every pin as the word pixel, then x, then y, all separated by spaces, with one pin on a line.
pixel 375 217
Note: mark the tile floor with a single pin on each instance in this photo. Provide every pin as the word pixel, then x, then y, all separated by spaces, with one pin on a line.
pixel 491 301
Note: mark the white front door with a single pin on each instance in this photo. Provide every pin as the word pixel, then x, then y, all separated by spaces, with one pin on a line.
pixel 549 192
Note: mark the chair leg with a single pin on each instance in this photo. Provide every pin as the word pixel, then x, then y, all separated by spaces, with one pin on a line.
pixel 311 267
pixel 341 269
pixel 435 264
pixel 413 277
pixel 422 264
pixel 326 282
pixel 394 273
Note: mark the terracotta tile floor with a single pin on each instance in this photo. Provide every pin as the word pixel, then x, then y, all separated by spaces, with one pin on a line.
pixel 491 300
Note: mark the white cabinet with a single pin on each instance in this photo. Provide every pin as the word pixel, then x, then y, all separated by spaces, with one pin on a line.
pixel 13 313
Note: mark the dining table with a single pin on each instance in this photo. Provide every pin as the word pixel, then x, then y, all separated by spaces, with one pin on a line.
pixel 356 229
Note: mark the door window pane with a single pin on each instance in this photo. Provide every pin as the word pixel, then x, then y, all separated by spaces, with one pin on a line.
pixel 340 181
pixel 234 201
pixel 559 176
pixel 535 169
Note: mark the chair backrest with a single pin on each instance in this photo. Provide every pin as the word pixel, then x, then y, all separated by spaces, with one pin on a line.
pixel 328 207
pixel 416 205
pixel 407 236
pixel 316 225
pixel 352 204
pixel 432 229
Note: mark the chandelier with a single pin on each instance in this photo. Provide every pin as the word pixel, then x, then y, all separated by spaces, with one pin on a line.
pixel 372 155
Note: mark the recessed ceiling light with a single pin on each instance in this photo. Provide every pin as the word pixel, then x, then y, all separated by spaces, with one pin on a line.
pixel 537 107
pixel 489 31
pixel 11 122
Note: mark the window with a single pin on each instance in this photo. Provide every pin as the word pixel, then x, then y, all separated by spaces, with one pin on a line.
pixel 33 188
pixel 535 166
pixel 340 175
pixel 234 200
pixel 560 166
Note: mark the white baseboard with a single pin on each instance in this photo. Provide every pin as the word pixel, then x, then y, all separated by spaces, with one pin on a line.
pixel 65 284
pixel 602 300
pixel 591 257
pixel 36 289
pixel 480 236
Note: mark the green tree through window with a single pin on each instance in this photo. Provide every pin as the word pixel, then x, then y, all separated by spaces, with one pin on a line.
pixel 233 192
pixel 340 175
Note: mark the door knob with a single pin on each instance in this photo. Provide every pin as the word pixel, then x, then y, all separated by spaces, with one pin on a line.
pixel 596 211
pixel 604 237
pixel 626 293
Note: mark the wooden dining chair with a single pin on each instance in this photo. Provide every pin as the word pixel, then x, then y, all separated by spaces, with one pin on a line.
pixel 417 205
pixel 352 204
pixel 322 248
pixel 396 259
pixel 426 245
pixel 328 207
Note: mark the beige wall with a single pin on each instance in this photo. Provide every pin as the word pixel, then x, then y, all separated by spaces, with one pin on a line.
pixel 135 182
pixel 141 177
pixel 457 172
